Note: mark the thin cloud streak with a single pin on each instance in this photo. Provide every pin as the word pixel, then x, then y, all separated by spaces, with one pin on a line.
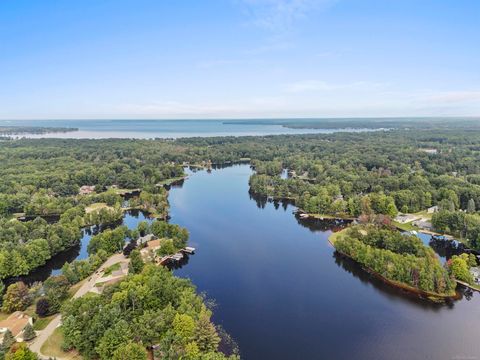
pixel 318 85
pixel 280 15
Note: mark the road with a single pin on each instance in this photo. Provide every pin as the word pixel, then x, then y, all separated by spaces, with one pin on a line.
pixel 37 343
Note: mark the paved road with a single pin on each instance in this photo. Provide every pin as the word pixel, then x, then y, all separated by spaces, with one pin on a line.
pixel 37 343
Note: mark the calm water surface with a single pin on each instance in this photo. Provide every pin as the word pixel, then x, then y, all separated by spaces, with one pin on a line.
pixel 148 129
pixel 283 294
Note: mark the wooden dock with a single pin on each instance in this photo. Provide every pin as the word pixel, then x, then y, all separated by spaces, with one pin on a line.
pixel 177 256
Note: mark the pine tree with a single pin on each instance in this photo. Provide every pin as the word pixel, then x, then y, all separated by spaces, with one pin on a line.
pixel 8 340
pixel 206 335
pixel 28 333
pixel 471 206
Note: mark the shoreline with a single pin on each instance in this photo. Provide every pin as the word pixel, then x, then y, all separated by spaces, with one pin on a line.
pixel 397 284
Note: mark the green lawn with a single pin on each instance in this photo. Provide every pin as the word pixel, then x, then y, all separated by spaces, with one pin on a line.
pixel 170 181
pixel 53 347
pixel 111 268
pixel 336 235
pixel 42 322
pixel 326 216
pixel 405 227
pixel 97 207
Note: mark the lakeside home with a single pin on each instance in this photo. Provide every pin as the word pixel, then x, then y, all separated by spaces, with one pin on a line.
pixel 16 323
pixel 86 189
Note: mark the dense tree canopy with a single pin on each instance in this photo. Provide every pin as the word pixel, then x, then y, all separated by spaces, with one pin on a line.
pixel 395 256
pixel 152 308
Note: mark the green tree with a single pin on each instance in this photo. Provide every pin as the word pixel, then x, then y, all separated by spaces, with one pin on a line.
pixel 28 333
pixel 472 260
pixel 460 268
pixel 206 335
pixel 166 247
pixel 20 352
pixel 16 298
pixel 471 206
pixel 8 339
pixel 136 262
pixel 42 307
pixel 184 327
pixel 113 338
pixel 130 351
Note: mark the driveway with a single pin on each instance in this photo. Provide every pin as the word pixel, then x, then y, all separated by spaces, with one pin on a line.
pixel 89 283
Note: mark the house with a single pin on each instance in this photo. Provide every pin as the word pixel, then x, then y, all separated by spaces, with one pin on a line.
pixel 423 224
pixel 429 150
pixel 406 218
pixel 86 189
pixel 145 239
pixel 432 209
pixel 15 322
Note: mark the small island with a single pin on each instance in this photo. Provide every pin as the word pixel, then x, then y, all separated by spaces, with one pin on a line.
pixel 399 259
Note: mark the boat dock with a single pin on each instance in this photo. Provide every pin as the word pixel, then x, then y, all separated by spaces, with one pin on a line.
pixel 177 256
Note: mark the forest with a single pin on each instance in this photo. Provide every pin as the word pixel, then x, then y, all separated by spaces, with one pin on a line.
pixel 152 308
pixel 396 257
pixel 340 174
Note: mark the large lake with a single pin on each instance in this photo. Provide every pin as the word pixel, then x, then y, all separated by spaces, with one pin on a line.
pixel 282 293
pixel 149 129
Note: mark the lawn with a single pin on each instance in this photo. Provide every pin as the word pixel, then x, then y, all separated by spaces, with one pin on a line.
pixel 97 207
pixel 405 227
pixel 336 235
pixel 330 217
pixel 74 288
pixel 170 181
pixel 111 268
pixel 42 322
pixel 52 347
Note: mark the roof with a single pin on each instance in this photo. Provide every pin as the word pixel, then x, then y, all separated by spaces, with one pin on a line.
pixel 16 322
pixel 86 189
pixel 144 239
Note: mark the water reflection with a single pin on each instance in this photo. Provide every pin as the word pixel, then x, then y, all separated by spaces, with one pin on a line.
pixel 175 185
pixel 389 291
pixel 175 265
pixel 283 293
pixel 54 265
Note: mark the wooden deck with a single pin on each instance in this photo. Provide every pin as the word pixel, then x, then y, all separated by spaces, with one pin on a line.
pixel 177 256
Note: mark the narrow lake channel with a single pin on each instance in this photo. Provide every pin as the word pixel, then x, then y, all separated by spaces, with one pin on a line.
pixel 283 294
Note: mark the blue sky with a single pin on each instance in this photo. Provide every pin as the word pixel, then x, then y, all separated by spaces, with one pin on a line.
pixel 238 58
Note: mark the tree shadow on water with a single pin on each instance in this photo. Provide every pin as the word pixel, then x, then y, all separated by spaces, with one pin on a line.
pixel 393 293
